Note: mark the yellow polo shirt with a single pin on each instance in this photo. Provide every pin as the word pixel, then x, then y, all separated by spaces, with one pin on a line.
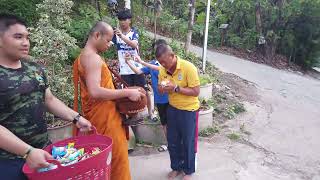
pixel 185 75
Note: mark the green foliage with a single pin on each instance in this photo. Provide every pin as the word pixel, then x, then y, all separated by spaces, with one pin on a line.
pixel 205 79
pixel 111 54
pixel 82 20
pixel 145 43
pixel 170 23
pixel 73 53
pixel 291 29
pixel 233 110
pixel 25 9
pixel 233 136
pixel 209 131
pixel 52 43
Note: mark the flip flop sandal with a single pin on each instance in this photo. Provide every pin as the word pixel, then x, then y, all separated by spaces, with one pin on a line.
pixel 162 148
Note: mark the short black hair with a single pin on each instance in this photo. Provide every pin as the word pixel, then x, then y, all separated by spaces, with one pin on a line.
pixel 158 42
pixel 162 49
pixel 7 20
pixel 124 14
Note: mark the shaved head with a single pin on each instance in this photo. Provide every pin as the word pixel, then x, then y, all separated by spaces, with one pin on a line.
pixel 101 27
pixel 100 36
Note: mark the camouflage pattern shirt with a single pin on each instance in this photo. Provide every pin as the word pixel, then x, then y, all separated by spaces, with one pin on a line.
pixel 22 109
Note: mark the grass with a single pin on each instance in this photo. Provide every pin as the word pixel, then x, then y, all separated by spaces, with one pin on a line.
pixel 232 110
pixel 205 79
pixel 209 131
pixel 233 136
pixel 220 98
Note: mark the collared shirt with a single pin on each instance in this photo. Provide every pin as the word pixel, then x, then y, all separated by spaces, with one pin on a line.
pixel 158 97
pixel 185 75
pixel 124 48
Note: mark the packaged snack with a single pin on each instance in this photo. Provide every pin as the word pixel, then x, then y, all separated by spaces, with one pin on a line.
pixel 68 155
pixel 73 156
pixel 50 167
pixel 70 145
pixel 95 151
pixel 70 163
pixel 58 151
pixel 164 83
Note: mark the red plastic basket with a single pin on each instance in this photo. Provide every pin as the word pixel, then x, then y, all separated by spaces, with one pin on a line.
pixel 97 167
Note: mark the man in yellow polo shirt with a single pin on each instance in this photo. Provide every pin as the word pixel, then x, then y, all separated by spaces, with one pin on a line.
pixel 179 78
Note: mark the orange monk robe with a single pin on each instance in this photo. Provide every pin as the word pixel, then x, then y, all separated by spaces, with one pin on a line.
pixel 104 116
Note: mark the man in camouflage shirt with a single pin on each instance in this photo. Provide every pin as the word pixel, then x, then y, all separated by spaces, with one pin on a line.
pixel 24 98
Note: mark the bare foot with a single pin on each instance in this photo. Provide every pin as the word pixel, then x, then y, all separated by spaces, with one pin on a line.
pixel 173 174
pixel 186 177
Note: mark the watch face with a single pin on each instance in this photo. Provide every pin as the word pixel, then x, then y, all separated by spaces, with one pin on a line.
pixel 177 89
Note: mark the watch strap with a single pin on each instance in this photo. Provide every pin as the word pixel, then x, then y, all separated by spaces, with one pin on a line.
pixel 76 119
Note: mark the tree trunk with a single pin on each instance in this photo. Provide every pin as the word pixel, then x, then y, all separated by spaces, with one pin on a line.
pixel 142 12
pixel 155 25
pixel 192 10
pixel 172 6
pixel 258 18
pixel 93 3
pixel 98 8
pixel 261 47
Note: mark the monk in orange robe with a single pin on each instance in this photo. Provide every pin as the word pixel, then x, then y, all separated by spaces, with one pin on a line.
pixel 97 94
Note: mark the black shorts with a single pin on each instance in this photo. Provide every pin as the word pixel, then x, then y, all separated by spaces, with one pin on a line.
pixel 135 80
pixel 162 110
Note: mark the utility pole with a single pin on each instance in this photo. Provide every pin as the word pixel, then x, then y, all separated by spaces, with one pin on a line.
pixel 205 43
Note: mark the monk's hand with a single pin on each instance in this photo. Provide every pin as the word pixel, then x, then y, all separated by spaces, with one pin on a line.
pixel 83 124
pixel 37 158
pixel 135 94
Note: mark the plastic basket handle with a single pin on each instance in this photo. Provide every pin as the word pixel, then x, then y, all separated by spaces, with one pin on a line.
pixel 93 131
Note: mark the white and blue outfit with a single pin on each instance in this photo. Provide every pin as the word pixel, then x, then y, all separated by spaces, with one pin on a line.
pixel 125 71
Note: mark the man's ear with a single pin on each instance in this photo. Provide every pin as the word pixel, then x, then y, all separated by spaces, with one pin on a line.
pixel 97 35
pixel 172 55
pixel 1 40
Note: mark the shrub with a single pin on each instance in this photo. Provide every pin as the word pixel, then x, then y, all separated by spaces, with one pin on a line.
pixel 52 43
pixel 24 9
pixel 82 21
pixel 205 79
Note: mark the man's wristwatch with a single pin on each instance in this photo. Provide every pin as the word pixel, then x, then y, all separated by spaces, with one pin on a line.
pixel 76 119
pixel 177 89
pixel 27 153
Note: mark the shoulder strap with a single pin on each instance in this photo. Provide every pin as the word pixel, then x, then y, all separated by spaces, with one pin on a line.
pixel 118 77
pixel 76 84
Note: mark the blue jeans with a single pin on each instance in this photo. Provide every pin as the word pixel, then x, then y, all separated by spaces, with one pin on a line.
pixel 181 139
pixel 12 169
